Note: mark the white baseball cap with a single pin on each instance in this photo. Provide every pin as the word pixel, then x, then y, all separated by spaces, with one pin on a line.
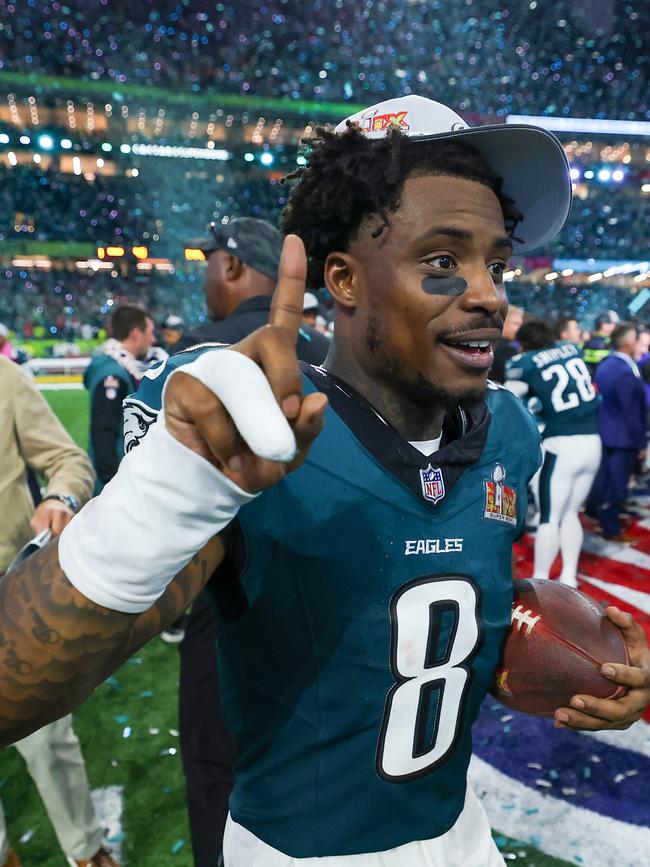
pixel 310 302
pixel 530 160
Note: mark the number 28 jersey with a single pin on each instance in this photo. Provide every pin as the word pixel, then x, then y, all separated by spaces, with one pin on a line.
pixel 559 378
pixel 361 612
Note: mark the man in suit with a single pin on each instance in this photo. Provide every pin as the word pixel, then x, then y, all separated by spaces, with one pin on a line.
pixel 622 427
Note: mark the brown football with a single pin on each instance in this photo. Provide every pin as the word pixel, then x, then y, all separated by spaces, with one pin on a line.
pixel 556 644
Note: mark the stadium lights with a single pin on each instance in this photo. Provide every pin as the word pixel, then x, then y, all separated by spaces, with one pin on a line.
pixel 552 275
pixel 575 174
pixel 604 175
pixel 152 150
pixel 249 157
pixel 645 188
pixel 140 252
pixel 301 160
pixel 25 139
pixel 594 278
pixel 266 159
pixel 45 142
pixel 76 165
pixel 115 252
pixel 106 147
pixel 589 174
pixel 66 144
pixel 618 175
pixel 567 272
pixel 194 255
pixel 11 156
pixel 4 138
pixel 641 277
pixel 125 148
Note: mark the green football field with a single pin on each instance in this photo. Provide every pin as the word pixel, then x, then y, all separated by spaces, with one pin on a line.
pixel 129 733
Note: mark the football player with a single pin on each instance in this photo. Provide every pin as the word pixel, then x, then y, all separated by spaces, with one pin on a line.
pixel 362 577
pixel 555 376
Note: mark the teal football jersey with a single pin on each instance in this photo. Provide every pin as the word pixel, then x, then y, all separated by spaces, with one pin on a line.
pixel 361 611
pixel 558 377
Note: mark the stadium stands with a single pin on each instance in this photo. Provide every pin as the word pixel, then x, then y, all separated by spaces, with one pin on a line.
pixel 586 58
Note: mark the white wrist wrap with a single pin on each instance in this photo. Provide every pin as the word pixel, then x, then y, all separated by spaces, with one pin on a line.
pixel 244 390
pixel 163 505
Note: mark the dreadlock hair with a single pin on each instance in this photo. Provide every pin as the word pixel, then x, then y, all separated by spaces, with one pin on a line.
pixel 350 177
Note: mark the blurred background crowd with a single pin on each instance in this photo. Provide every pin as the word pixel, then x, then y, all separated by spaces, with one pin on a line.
pixel 130 134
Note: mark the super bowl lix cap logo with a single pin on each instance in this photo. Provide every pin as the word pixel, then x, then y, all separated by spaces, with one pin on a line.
pixel 373 122
pixel 433 484
pixel 500 500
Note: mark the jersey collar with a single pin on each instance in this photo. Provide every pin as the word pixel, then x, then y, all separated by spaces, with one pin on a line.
pixel 464 435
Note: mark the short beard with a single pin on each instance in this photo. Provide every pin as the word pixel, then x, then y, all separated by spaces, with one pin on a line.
pixel 419 391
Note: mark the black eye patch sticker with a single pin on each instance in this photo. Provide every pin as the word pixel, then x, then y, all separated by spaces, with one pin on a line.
pixel 444 285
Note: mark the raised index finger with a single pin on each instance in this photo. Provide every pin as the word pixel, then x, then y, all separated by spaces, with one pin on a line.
pixel 288 298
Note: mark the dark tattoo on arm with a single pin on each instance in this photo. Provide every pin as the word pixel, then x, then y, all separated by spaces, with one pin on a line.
pixel 56 645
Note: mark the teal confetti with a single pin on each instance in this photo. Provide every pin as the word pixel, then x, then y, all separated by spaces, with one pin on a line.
pixel 532 811
pixel 167 789
pixel 501 841
pixel 135 660
pixel 146 693
pixel 116 838
pixel 113 682
pixel 121 718
pixel 553 774
pixel 586 772
pixel 178 845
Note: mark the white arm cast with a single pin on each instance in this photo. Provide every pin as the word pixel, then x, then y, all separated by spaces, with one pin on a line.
pixel 166 502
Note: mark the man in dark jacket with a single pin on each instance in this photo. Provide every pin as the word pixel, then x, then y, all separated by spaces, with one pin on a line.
pixel 622 428
pixel 243 257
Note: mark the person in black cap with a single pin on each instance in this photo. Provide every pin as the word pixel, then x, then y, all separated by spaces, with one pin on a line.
pixel 243 257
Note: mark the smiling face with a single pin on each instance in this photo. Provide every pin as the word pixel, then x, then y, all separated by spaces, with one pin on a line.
pixel 415 301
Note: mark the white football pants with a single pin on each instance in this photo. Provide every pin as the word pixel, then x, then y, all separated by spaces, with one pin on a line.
pixel 468 843
pixel 563 484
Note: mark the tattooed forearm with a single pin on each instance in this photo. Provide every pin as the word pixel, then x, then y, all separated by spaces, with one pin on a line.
pixel 56 645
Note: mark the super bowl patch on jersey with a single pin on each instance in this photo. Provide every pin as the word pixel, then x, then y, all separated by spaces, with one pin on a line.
pixel 500 499
pixel 433 484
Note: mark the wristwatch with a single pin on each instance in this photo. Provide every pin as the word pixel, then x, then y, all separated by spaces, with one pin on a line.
pixel 70 501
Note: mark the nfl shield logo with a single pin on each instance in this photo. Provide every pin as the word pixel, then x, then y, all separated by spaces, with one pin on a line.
pixel 433 484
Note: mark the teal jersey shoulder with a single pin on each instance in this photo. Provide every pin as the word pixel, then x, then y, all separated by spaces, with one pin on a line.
pixel 367 629
pixel 559 378
pixel 141 408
